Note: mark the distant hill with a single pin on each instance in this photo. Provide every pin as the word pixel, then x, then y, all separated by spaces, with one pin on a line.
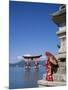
pixel 22 63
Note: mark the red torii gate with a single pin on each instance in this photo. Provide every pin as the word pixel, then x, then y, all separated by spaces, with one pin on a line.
pixel 29 58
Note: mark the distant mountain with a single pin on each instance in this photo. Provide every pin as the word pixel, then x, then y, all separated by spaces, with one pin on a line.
pixel 22 63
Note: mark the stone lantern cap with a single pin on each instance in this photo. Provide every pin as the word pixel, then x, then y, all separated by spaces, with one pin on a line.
pixel 59 17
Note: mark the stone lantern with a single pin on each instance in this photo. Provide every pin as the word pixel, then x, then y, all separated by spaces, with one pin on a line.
pixel 59 18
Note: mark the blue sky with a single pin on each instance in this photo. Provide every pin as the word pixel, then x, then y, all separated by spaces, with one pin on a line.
pixel 32 30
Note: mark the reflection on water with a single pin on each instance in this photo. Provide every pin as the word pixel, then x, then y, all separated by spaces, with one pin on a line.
pixel 36 74
pixel 21 78
pixel 27 75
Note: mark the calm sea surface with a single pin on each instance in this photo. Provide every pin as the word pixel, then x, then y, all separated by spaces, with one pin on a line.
pixel 21 78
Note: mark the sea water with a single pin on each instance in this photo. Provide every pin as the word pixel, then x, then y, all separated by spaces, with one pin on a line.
pixel 21 78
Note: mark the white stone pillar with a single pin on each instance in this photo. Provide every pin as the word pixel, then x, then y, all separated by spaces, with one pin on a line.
pixel 62 37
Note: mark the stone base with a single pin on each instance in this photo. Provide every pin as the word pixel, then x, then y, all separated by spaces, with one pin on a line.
pixel 57 77
pixel 43 83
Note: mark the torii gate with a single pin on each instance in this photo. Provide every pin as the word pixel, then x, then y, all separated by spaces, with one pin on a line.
pixel 29 58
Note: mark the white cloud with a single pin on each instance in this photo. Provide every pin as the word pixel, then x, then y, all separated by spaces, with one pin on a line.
pixel 19 57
